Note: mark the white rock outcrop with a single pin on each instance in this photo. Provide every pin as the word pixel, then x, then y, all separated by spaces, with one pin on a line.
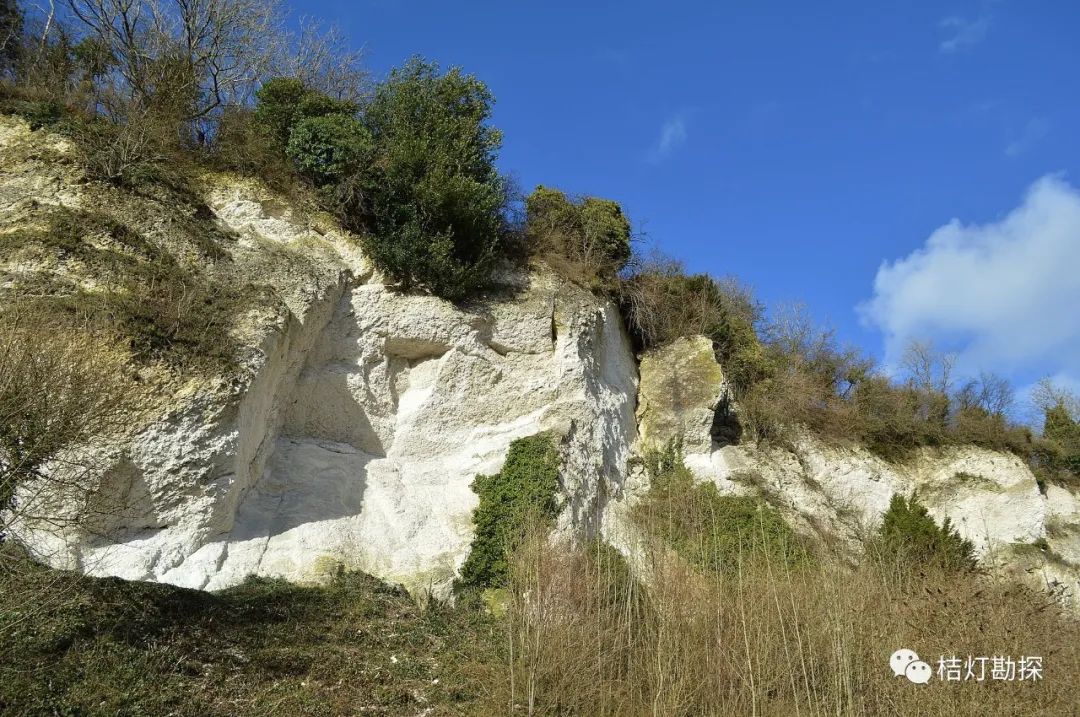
pixel 364 419
pixel 361 415
pixel 839 493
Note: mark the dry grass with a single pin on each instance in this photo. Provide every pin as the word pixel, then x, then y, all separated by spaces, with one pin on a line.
pixel 582 637
pixel 768 640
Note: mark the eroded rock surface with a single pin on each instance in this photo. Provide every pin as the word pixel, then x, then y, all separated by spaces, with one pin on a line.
pixel 359 417
pixel 839 493
pixel 359 421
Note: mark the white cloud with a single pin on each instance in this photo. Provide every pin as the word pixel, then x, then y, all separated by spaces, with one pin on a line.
pixel 1035 130
pixel 964 33
pixel 1004 295
pixel 672 136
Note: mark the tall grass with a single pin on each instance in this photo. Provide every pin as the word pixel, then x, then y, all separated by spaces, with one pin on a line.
pixel 770 637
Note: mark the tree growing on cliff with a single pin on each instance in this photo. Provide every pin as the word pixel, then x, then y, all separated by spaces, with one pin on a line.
pixel 909 534
pixel 431 202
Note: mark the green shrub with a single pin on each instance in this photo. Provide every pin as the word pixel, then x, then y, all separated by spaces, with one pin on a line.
pixel 431 204
pixel 1060 429
pixel 587 238
pixel 37 113
pixel 415 175
pixel 245 145
pixel 714 532
pixel 909 533
pixel 329 148
pixel 511 502
pixel 283 102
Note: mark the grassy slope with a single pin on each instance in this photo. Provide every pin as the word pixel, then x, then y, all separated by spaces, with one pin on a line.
pixel 72 645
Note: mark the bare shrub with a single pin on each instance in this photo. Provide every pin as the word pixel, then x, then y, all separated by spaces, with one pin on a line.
pixel 126 153
pixel 763 638
pixel 205 54
pixel 62 387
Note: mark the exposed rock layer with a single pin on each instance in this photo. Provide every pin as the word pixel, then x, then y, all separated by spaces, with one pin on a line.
pixel 839 493
pixel 361 416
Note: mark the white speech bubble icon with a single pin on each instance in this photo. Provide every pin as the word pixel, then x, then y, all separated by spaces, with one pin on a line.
pixel 901 659
pixel 918 672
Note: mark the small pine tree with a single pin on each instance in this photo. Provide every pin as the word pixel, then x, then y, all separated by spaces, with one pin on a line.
pixel 908 531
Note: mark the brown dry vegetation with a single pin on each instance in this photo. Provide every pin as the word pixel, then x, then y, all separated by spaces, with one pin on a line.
pixel 581 636
pixel 767 640
pixel 62 386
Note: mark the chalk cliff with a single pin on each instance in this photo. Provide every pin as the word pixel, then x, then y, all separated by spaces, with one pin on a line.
pixel 359 416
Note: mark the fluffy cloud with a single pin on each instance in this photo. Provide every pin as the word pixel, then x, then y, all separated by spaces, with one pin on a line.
pixel 1005 295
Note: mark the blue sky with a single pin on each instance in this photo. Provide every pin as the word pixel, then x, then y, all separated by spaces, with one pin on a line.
pixel 803 146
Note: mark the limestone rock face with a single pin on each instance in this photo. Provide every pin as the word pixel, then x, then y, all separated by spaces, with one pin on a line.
pixel 361 421
pixel 682 386
pixel 839 493
pixel 359 417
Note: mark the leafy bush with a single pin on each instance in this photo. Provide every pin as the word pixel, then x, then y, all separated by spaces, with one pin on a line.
pixel 1060 429
pixel 431 203
pixel 284 102
pixel 512 501
pixel 245 145
pixel 329 148
pixel 909 533
pixel 588 238
pixel 714 532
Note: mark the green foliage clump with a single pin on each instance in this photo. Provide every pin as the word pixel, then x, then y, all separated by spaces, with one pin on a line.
pixel 511 502
pixel 1064 433
pixel 909 533
pixel 329 148
pixel 414 173
pixel 432 202
pixel 590 237
pixel 284 102
pixel 714 532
